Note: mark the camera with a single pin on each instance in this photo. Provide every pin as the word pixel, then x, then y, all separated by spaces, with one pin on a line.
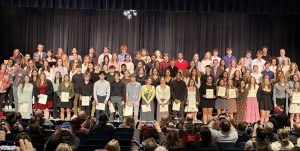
pixel 149 124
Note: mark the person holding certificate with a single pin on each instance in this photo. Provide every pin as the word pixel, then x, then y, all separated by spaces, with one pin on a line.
pixel 280 95
pixel 241 102
pixel 43 94
pixel 163 96
pixel 231 94
pixel 179 94
pixel 86 95
pixel 147 103
pixel 65 92
pixel 101 94
pixel 252 112
pixel 295 103
pixel 133 96
pixel 25 91
pixel 193 99
pixel 56 82
pixel 221 104
pixel 208 98
pixel 264 97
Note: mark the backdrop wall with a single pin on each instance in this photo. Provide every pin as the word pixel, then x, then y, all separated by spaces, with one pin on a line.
pixel 171 31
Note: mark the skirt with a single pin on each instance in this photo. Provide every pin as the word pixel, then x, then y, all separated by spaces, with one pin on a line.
pixel 65 104
pixel 294 108
pixel 241 110
pixel 231 105
pixel 221 104
pixel 48 105
pixel 252 112
pixel 205 103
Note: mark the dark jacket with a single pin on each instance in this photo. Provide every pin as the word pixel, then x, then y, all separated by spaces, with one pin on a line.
pixel 135 143
pixel 49 91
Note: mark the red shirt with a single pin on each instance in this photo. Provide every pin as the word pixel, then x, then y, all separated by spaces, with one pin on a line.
pixel 183 65
pixel 163 66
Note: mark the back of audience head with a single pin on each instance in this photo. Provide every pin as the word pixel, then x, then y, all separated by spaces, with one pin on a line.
pixel 173 139
pixel 103 118
pixel 63 147
pixel 113 145
pixel 225 125
pixel 160 148
pixel 23 135
pixel 205 134
pixel 129 122
pixel 269 127
pixel 150 144
pixel 283 136
pixel 242 127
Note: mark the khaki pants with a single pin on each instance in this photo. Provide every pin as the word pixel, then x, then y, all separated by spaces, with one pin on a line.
pixel 75 104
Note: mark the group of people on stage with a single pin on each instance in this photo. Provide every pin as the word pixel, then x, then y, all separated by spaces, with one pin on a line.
pixel 149 87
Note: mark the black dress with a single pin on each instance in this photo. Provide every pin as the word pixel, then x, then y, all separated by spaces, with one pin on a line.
pixel 204 102
pixel 155 82
pixel 264 99
pixel 141 80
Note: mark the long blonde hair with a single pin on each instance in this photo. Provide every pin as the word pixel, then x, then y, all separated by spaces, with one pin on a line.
pixel 113 145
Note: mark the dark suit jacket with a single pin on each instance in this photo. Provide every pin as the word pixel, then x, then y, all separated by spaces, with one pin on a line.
pixel 43 55
pixel 218 73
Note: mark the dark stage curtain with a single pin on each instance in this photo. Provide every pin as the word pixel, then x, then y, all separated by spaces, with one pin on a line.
pixel 169 31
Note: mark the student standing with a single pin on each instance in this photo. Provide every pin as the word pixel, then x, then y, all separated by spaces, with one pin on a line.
pixel 133 96
pixel 86 91
pixel 25 93
pixel 65 87
pixel 148 94
pixel 77 81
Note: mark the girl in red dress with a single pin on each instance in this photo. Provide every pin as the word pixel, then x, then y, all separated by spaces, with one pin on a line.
pixel 43 86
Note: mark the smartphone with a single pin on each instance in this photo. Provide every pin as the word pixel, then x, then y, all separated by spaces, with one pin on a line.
pixel 8 146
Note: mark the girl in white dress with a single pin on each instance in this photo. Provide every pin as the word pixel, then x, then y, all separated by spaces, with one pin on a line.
pixel 193 99
pixel 294 105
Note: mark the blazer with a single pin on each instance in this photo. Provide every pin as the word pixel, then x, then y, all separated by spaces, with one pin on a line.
pixel 43 54
pixel 49 91
pixel 217 74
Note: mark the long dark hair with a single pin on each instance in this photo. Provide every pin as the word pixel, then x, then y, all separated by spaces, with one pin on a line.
pixel 60 78
pixel 23 82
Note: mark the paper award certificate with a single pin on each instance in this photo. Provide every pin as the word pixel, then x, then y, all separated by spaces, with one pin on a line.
pixel 209 93
pixel 100 106
pixel 163 108
pixel 176 107
pixel 128 111
pixel 65 97
pixel 221 91
pixel 85 101
pixel 146 108
pixel 296 97
pixel 43 99
pixel 111 108
pixel 232 93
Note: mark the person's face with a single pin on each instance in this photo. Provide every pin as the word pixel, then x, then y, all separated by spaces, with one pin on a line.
pixel 105 50
pixel 141 71
pixel 286 61
pixel 166 57
pixel 178 76
pixel 40 48
pixel 86 78
pixel 233 63
pixel 229 52
pixel 154 72
pixel 248 55
pixel 267 81
pixel 243 70
pixel 172 63
pixel 192 83
pixel 97 68
pixel 180 56
pixel 30 63
pixel 138 55
pixel 117 77
pixel 207 70
pixel 46 64
pixel 295 78
pixel 74 51
pixel 91 51
pixel 209 80
pixel 106 59
pixel 78 70
pixel 168 73
pixel 36 57
pixel 252 80
pixel 237 73
pixel 26 79
pixel 144 53
pixel 67 78
pixel 222 62
pixel 267 66
pixel 43 77
pixel 27 57
pixel 153 58
pixel 34 73
pixel 230 82
pixel 215 53
pixel 157 53
pixel 17 66
pixel 282 52
pixel 297 85
pixel 114 57
pixel 242 84
pixel 265 50
pixel 49 53
pixel 192 64
pixel 112 70
pixel 90 66
pixel 132 79
pixel 255 68
pixel 57 75
pixel 216 63
pixel 222 82
pixel 293 66
pixel 124 49
pixel 105 68
pixel 149 82
pixel 273 62
pixel 126 74
pixel 123 68
pixel 59 62
pixel 194 72
pixel 127 58
pixel 281 79
pixel 101 76
pixel 259 55
pixel 162 81
pixel 140 64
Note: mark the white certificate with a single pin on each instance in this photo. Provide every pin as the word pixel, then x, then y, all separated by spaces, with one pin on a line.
pixel 100 106
pixel 111 108
pixel 209 93
pixel 128 111
pixel 296 97
pixel 43 99
pixel 221 91
pixel 146 108
pixel 85 101
pixel 176 107
pixel 163 108
pixel 23 108
pixel 232 93
pixel 252 93
pixel 65 96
